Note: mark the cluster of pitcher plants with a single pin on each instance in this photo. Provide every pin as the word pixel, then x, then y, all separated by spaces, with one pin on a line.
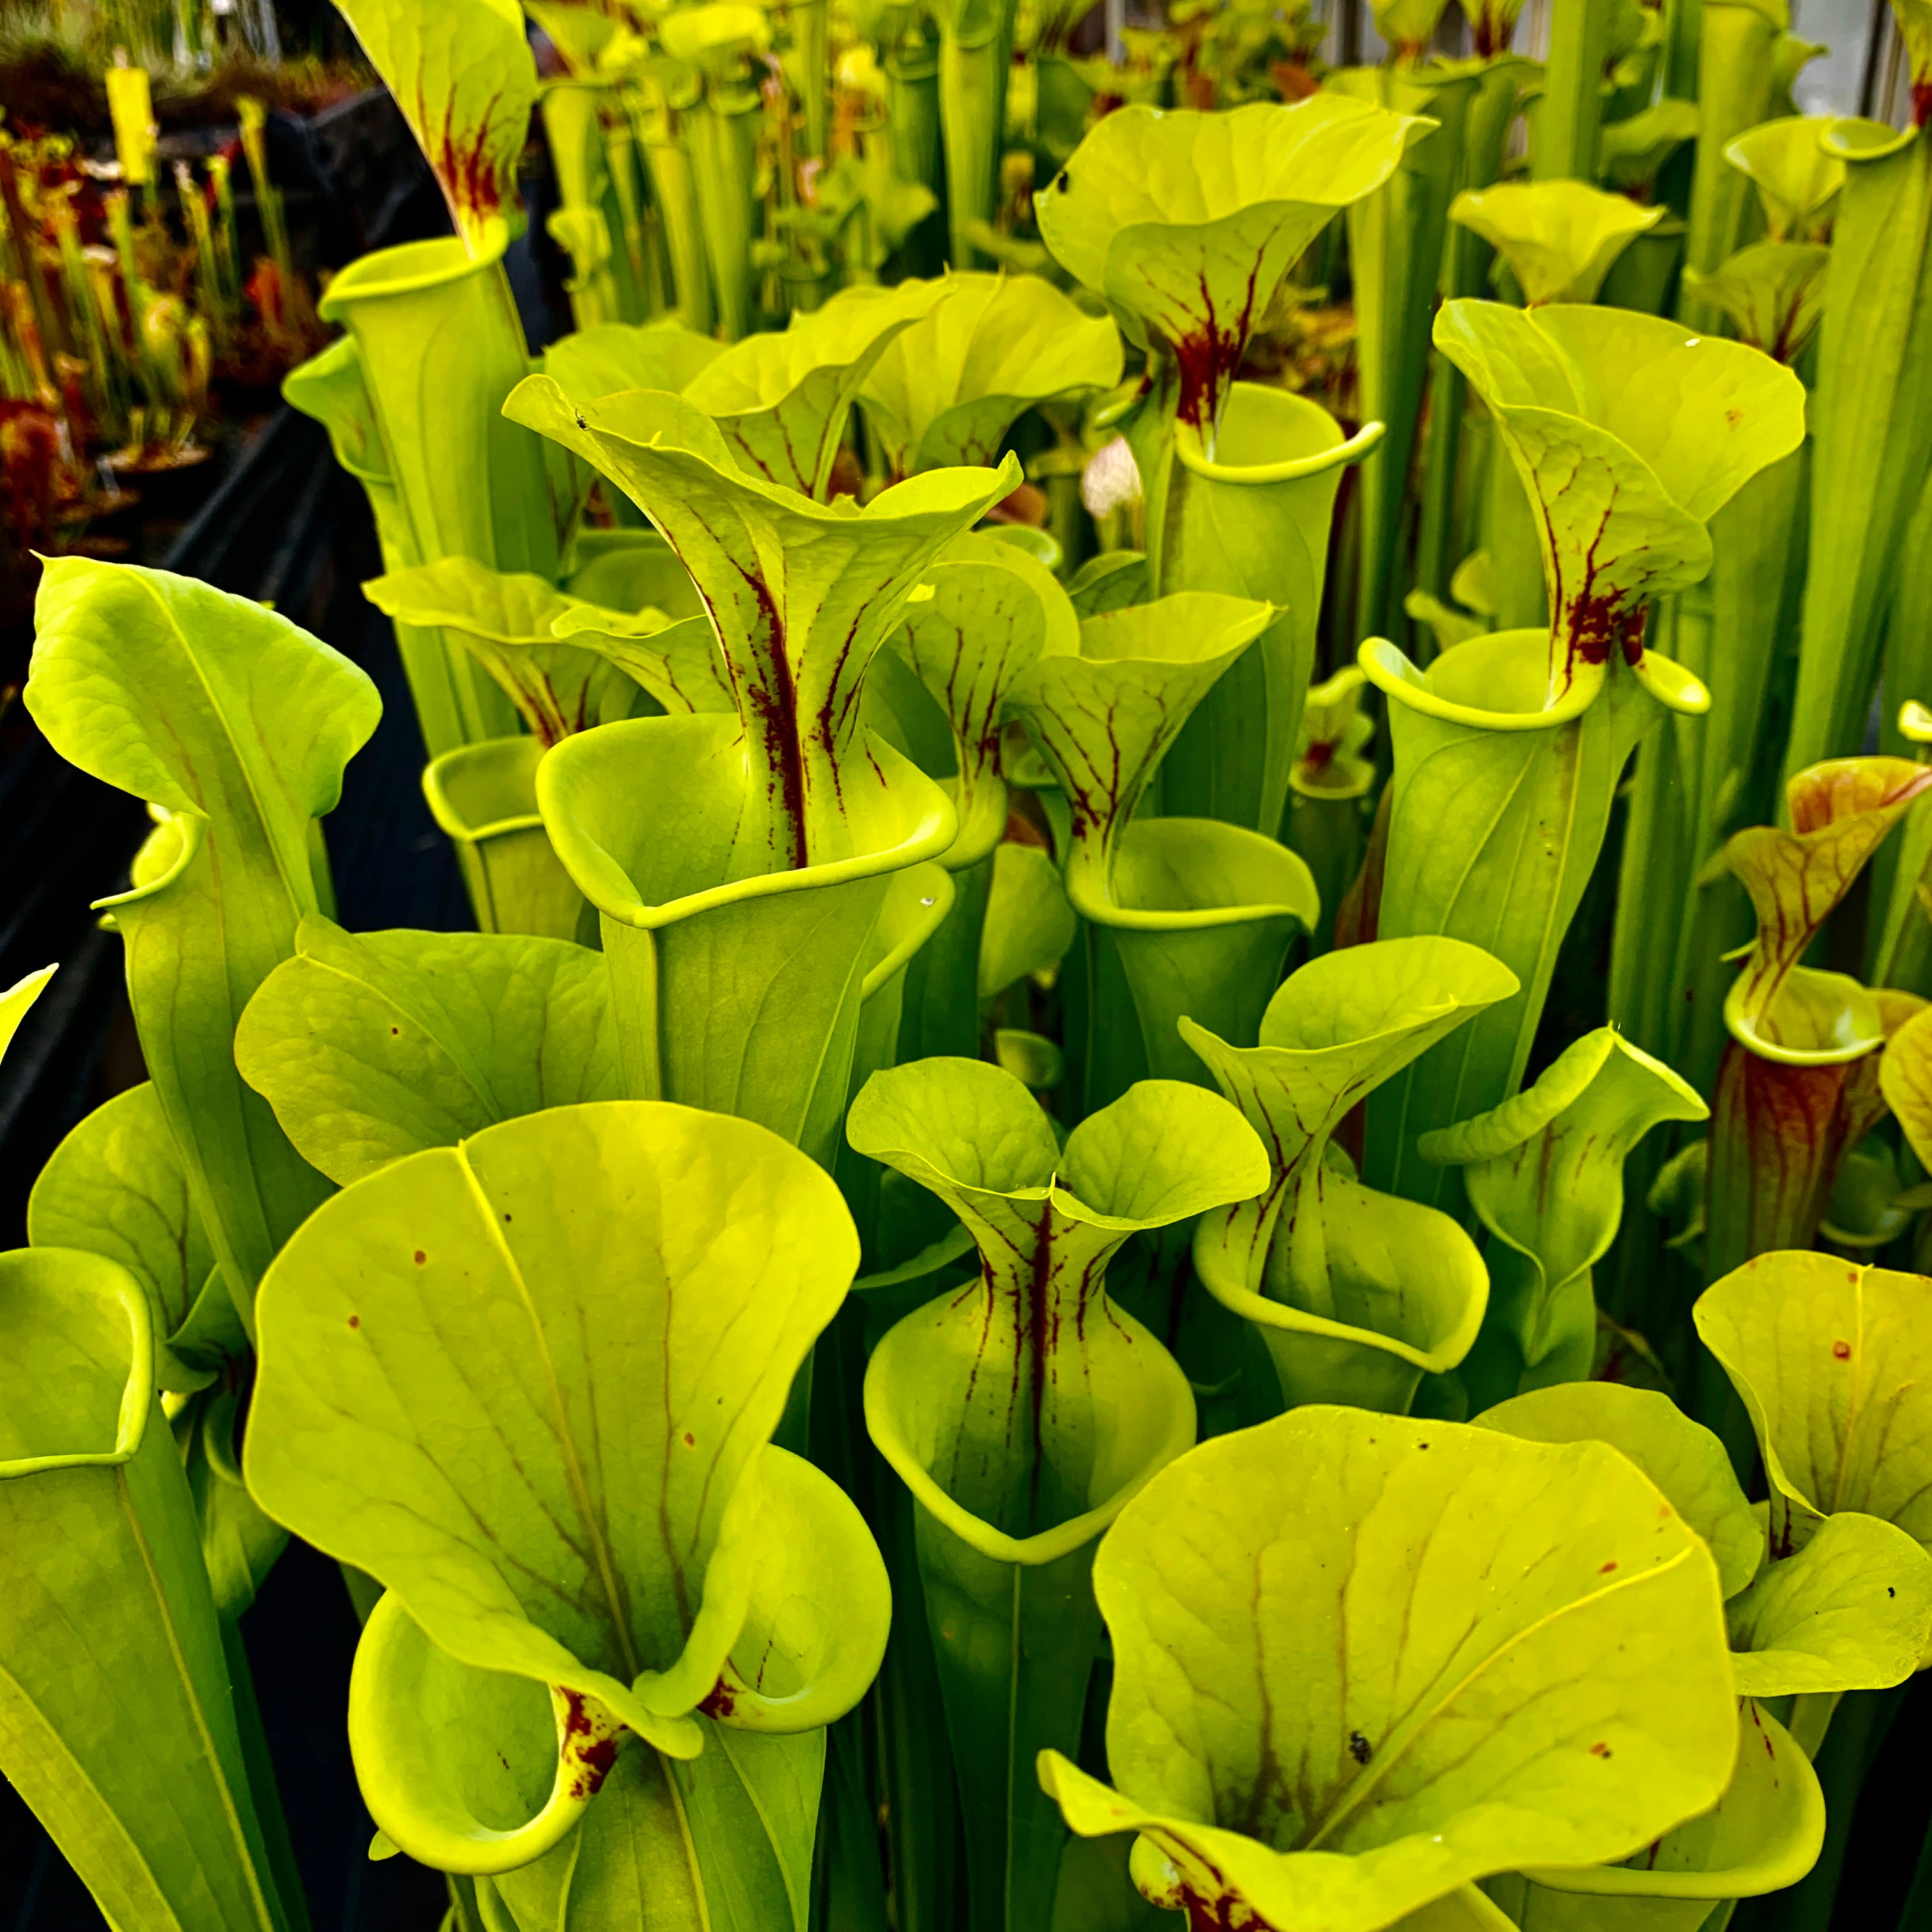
pixel 1062 1252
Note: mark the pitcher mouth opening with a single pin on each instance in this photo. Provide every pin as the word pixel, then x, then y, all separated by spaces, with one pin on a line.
pixel 1517 663
pixel 1106 898
pixel 919 823
pixel 410 267
pixel 502 770
pixel 1190 451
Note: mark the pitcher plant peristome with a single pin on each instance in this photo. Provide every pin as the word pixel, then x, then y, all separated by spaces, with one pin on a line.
pixel 1254 518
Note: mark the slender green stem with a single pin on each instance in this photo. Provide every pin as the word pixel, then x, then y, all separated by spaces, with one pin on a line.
pixel 1572 112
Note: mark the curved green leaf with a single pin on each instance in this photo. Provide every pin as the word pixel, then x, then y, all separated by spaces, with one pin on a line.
pixel 1185 222
pixel 467 1770
pixel 238 725
pixel 1103 720
pixel 1545 1174
pixel 1029 925
pixel 462 74
pixel 1201 916
pixel 1558 237
pixel 1736 62
pixel 1905 1079
pixel 1114 578
pixel 1763 1834
pixel 739 994
pixel 1556 1687
pixel 1492 24
pixel 1357 1293
pixel 614 356
pixel 477 1770
pixel 815 1631
pixel 1851 1611
pixel 239 1545
pixel 481 1464
pixel 15 1001
pixel 801 595
pixel 1796 177
pixel 483 797
pixel 948 389
pixel 780 399
pixel 439 346
pixel 1834 1362
pixel 579 33
pixel 1630 152
pixel 1254 520
pixel 507 621
pixel 1024 1415
pixel 631 571
pixel 1630 433
pixel 1839 812
pixel 115 1187
pixel 1774 292
pixel 116 1724
pixel 1484 768
pixel 1786 1113
pixel 1681 1457
pixel 1328 760
pixel 978 631
pixel 370 1046
pixel 1023 1411
pixel 1407 26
